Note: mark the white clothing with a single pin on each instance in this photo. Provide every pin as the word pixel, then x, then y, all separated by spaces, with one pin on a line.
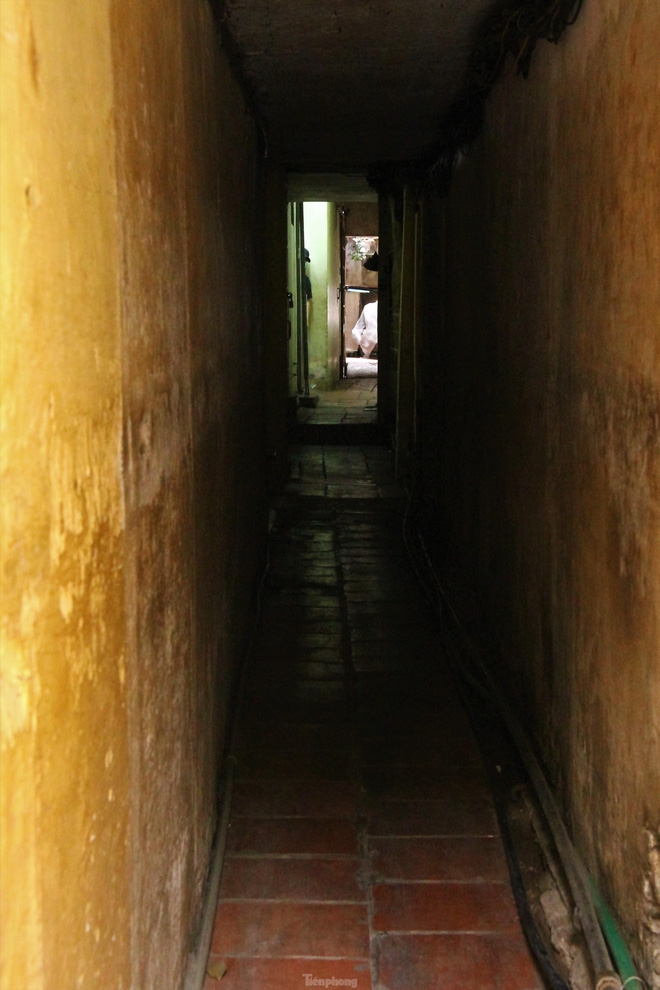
pixel 365 331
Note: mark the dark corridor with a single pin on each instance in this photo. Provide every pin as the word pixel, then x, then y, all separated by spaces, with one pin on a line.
pixel 506 153
pixel 363 847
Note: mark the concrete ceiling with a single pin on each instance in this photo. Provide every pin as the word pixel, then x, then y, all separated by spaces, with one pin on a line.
pixel 352 82
pixel 330 187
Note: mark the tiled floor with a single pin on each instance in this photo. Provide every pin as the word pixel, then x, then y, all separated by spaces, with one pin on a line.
pixel 353 400
pixel 363 849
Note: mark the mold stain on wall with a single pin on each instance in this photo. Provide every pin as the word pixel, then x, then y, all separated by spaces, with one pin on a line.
pixel 544 388
pixel 133 500
pixel 63 797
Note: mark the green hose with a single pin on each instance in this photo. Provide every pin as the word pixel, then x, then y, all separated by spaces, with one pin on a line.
pixel 599 928
pixel 624 964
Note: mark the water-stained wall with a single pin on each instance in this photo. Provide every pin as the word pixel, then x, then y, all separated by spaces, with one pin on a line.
pixel 542 425
pixel 64 660
pixel 192 440
pixel 132 526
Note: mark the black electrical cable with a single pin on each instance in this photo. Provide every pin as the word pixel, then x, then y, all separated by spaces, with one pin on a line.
pixel 511 30
pixel 534 940
pixel 550 973
pixel 605 975
pixel 530 929
pixel 199 956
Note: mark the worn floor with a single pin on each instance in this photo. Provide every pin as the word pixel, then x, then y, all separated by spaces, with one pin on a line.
pixel 363 849
pixel 353 400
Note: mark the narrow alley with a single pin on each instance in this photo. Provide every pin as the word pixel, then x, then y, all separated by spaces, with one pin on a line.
pixel 363 843
pixel 330 494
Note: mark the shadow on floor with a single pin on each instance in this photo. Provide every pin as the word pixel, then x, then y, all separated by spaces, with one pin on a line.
pixel 346 414
pixel 363 847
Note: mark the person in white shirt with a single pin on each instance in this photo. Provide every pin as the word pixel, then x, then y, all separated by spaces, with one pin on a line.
pixel 365 331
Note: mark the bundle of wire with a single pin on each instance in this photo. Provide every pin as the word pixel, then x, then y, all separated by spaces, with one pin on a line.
pixel 599 930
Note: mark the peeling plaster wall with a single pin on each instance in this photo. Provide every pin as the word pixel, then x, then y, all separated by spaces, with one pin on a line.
pixel 193 443
pixel 542 431
pixel 133 510
pixel 361 219
pixel 64 767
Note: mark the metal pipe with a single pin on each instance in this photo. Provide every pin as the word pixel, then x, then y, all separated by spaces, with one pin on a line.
pixel 618 948
pixel 198 960
pixel 576 875
pixel 605 977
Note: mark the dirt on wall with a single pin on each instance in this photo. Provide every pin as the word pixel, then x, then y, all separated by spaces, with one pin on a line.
pixel 133 512
pixel 542 426
pixel 64 741
pixel 195 511
pixel 361 220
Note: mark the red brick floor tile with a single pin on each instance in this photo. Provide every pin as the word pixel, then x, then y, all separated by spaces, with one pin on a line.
pixel 444 907
pixel 279 634
pixel 322 556
pixel 457 756
pixel 286 798
pixel 400 685
pixel 299 711
pixel 433 818
pixel 310 692
pixel 399 748
pixel 367 592
pixel 294 764
pixel 284 652
pixel 296 855
pixel 308 573
pixel 417 782
pixel 455 962
pixel 292 616
pixel 366 655
pixel 272 878
pixel 302 597
pixel 450 858
pixel 292 974
pixel 384 579
pixel 370 556
pixel 353 570
pixel 435 734
pixel 376 662
pixel 257 928
pixel 317 639
pixel 320 837
pixel 299 668
pixel 368 629
pixel 284 638
pixel 272 734
pixel 431 676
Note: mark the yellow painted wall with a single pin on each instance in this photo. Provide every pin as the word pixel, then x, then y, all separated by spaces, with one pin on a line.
pixel 193 436
pixel 64 722
pixel 542 433
pixel 132 484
